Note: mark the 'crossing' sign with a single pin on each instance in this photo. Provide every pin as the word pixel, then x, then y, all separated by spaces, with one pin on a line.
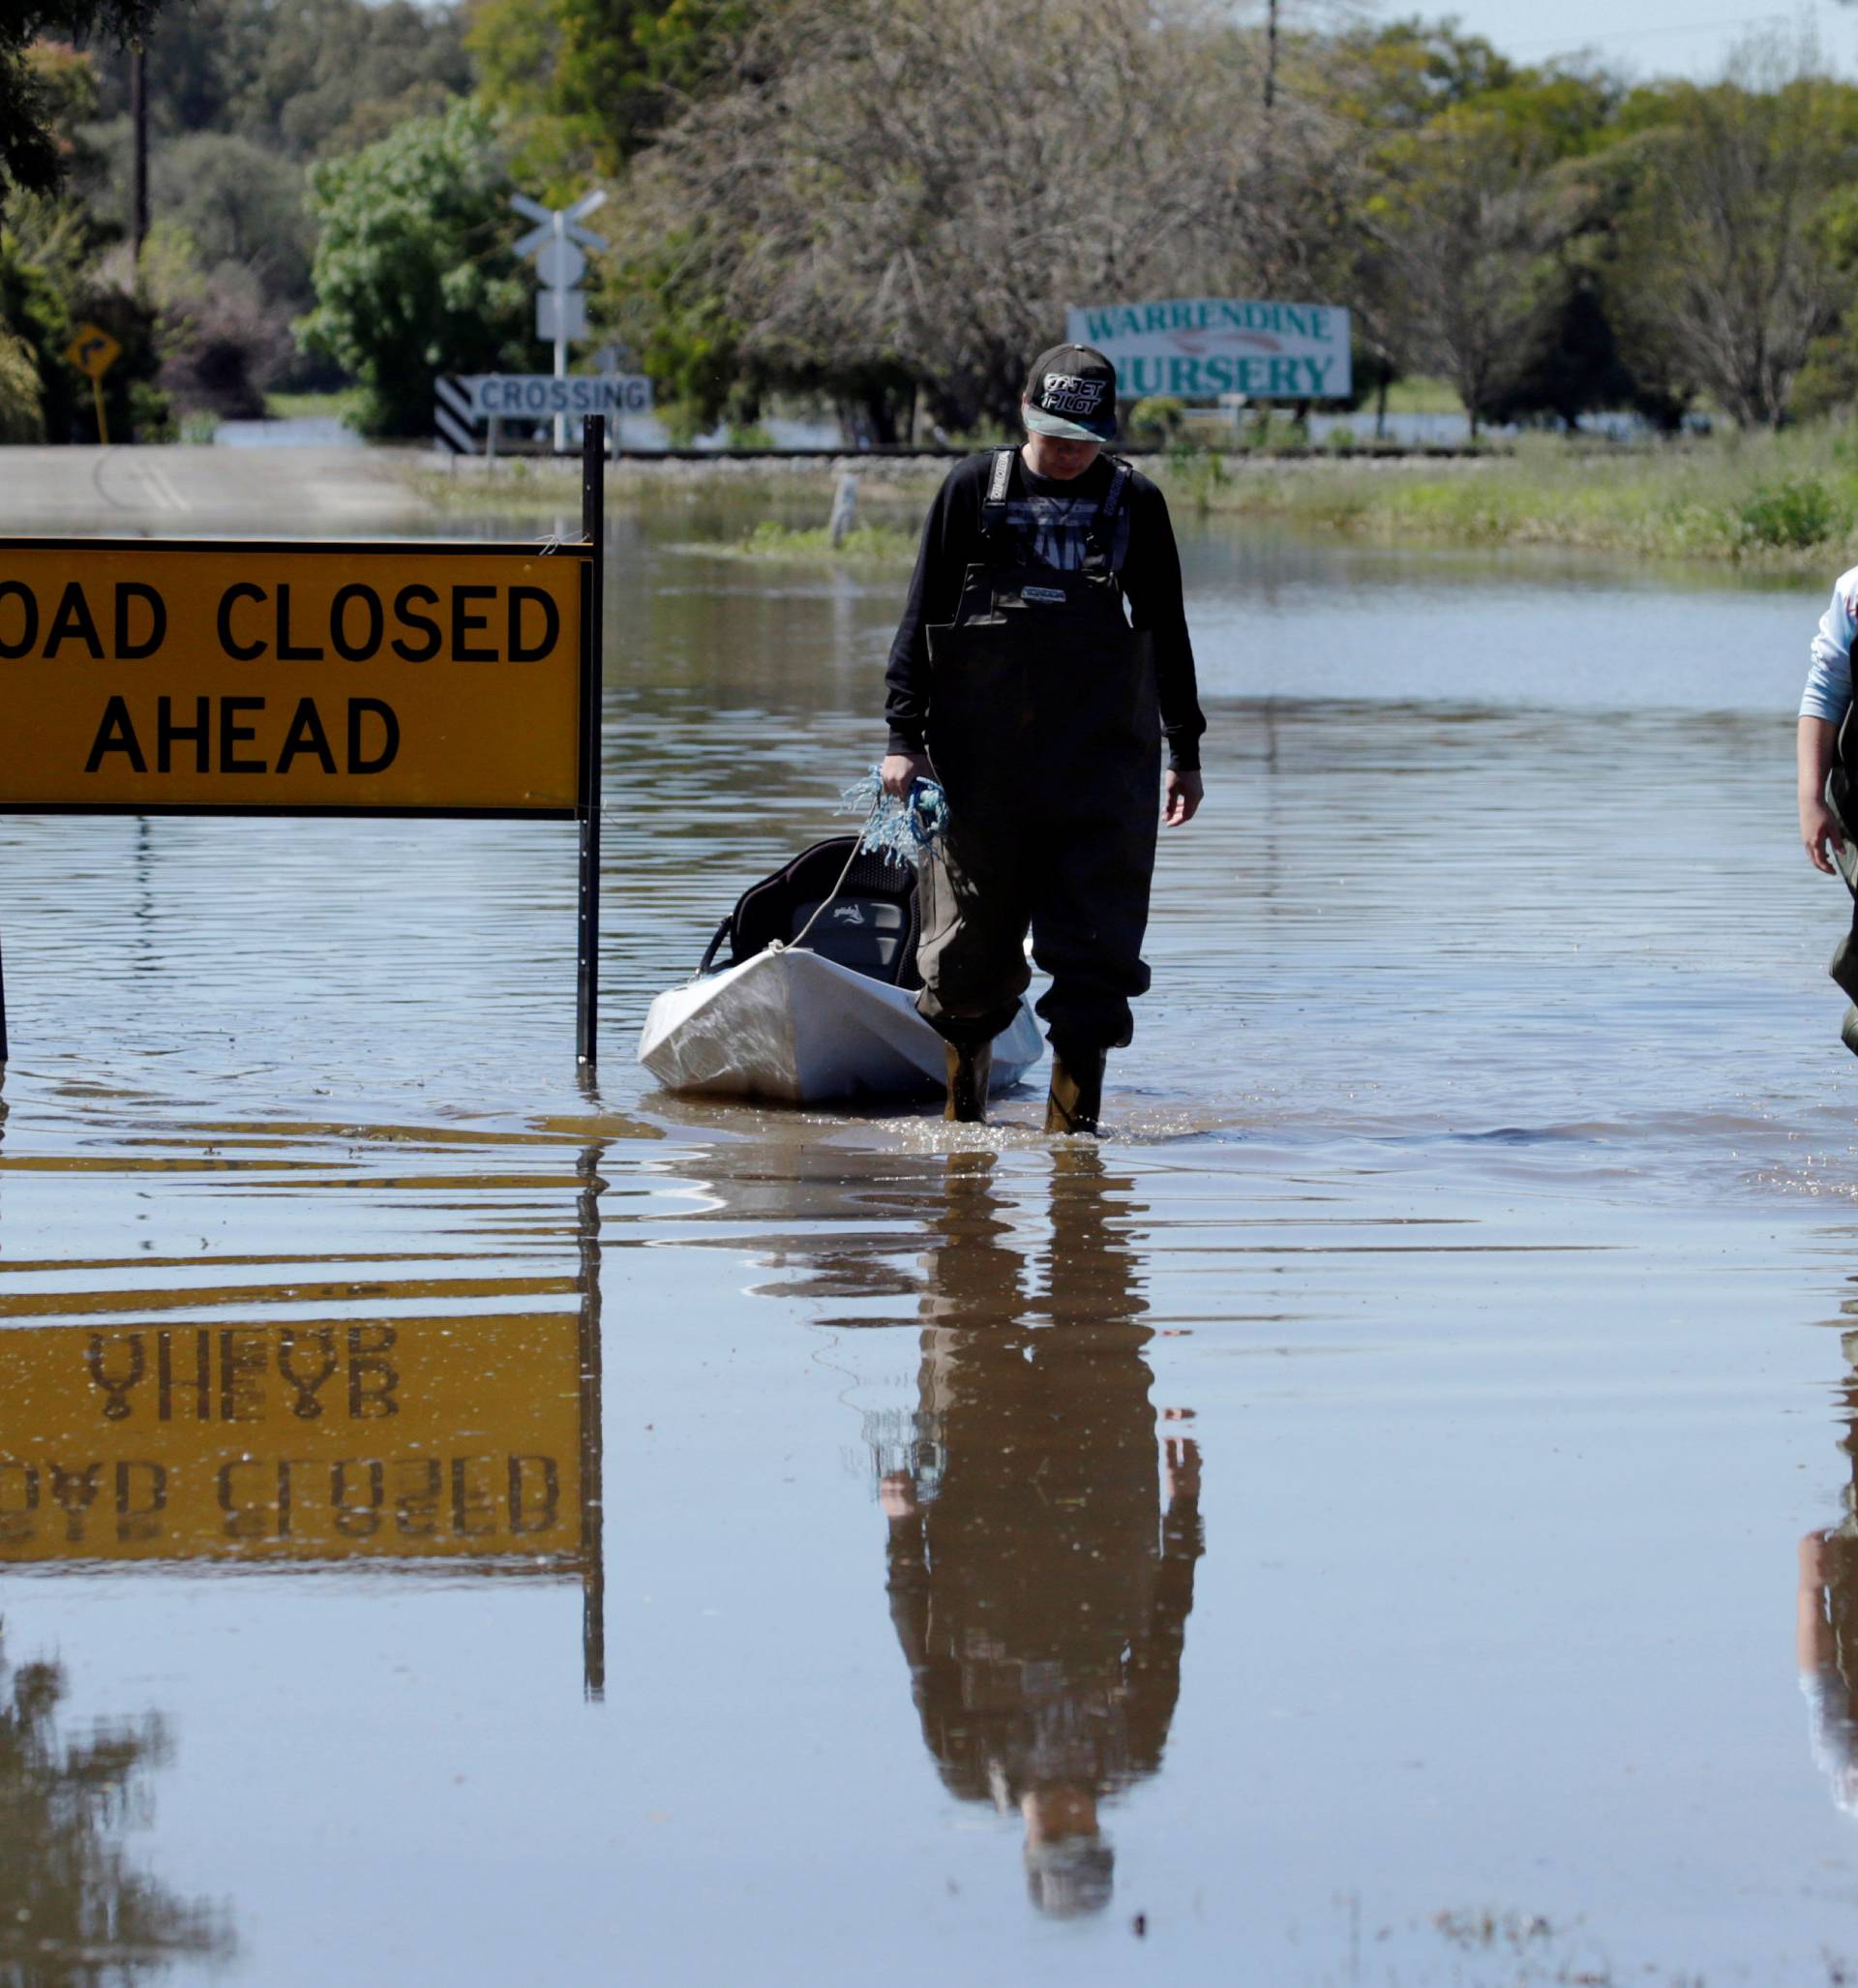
pixel 470 398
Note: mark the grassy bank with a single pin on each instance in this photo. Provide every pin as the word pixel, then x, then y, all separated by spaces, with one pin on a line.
pixel 1768 502
pixel 864 545
pixel 1779 502
pixel 538 484
pixel 344 405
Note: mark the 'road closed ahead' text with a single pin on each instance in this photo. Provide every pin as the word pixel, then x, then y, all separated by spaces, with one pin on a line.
pixel 407 678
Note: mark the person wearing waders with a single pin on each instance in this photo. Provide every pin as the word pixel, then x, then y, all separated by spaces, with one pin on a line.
pixel 1828 758
pixel 1041 658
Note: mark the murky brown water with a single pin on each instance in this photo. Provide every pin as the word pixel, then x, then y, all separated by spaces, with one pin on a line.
pixel 461 1524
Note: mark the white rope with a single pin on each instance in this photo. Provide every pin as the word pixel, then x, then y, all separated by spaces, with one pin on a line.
pixel 858 850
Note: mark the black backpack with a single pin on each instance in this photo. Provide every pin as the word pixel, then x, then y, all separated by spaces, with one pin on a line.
pixel 871 923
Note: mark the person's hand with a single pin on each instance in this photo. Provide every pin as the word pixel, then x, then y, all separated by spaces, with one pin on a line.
pixel 901 770
pixel 897 1496
pixel 1185 792
pixel 1817 829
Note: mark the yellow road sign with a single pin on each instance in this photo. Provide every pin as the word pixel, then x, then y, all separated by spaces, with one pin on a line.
pixel 200 678
pixel 397 1439
pixel 93 351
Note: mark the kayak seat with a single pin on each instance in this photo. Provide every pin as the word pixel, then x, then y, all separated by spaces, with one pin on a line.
pixel 870 925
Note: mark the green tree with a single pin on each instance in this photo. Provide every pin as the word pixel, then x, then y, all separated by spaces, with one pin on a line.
pixel 303 77
pixel 53 277
pixel 1400 76
pixel 23 400
pixel 1571 366
pixel 34 310
pixel 29 150
pixel 584 83
pixel 1721 268
pixel 1460 237
pixel 414 270
pixel 241 204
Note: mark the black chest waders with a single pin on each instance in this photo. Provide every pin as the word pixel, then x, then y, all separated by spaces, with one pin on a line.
pixel 1842 798
pixel 1044 730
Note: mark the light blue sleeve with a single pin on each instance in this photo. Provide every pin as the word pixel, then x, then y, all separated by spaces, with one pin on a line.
pixel 1828 691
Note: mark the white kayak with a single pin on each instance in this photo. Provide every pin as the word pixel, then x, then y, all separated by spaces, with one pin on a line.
pixel 792 1027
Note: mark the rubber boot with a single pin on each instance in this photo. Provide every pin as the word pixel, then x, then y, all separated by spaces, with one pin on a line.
pixel 1076 1101
pixel 1843 970
pixel 969 1072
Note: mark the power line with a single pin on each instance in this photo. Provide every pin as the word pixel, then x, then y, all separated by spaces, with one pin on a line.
pixel 1688 27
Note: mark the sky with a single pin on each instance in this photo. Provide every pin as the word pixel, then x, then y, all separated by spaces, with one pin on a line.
pixel 1646 37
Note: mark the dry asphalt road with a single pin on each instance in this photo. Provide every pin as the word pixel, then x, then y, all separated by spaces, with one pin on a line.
pixel 172 491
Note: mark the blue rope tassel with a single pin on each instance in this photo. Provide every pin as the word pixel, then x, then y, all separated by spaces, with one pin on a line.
pixel 898 831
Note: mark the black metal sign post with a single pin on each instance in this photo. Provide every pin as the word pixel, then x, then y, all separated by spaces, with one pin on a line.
pixel 593 530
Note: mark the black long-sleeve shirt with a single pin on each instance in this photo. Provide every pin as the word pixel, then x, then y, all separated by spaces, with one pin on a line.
pixel 1059 514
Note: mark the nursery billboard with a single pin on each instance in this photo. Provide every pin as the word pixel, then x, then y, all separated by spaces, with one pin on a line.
pixel 1200 348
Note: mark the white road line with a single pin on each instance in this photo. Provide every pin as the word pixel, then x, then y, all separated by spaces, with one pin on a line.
pixel 166 495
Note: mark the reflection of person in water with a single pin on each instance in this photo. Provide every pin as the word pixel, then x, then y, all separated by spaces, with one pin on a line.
pixel 1039 1590
pixel 1826 1624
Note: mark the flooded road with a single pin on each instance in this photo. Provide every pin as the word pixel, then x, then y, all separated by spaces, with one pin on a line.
pixel 1384 1515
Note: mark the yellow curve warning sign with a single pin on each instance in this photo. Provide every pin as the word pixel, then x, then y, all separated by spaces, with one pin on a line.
pixel 93 351
pixel 281 1442
pixel 402 678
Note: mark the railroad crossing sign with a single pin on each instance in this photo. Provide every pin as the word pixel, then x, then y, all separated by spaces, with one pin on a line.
pixel 561 263
pixel 557 243
pixel 93 351
pixel 557 221
pixel 462 402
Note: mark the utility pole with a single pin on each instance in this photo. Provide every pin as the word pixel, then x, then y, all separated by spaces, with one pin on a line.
pixel 138 119
pixel 1268 143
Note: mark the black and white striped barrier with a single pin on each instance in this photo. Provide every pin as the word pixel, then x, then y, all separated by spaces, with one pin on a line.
pixel 454 419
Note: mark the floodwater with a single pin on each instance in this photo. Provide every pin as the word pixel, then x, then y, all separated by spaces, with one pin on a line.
pixel 1381 1516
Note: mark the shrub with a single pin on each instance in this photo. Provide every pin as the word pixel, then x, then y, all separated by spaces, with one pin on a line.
pixel 1155 421
pixel 221 343
pixel 1199 475
pixel 1793 514
pixel 22 412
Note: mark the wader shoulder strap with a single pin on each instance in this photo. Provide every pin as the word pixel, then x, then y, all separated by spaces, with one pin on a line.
pixel 1102 544
pixel 1000 546
pixel 1118 489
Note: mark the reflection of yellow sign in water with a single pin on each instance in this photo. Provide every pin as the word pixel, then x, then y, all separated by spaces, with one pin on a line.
pixel 406 1440
pixel 405 678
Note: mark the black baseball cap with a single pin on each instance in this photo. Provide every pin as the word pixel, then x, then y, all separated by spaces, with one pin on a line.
pixel 1070 392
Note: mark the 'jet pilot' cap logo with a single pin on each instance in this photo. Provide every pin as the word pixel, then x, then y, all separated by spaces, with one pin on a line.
pixel 1070 393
